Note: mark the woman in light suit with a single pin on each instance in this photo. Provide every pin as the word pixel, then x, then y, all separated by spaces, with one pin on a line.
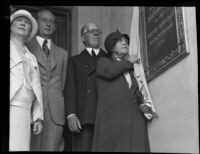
pixel 26 106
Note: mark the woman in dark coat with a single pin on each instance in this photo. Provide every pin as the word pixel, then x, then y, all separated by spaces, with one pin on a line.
pixel 120 124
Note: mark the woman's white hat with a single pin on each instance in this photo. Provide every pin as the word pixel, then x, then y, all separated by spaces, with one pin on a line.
pixel 27 14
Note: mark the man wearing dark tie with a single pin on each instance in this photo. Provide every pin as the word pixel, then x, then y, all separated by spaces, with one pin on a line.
pixel 52 61
pixel 80 89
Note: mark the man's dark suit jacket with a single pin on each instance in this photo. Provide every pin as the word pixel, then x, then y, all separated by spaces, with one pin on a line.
pixel 80 87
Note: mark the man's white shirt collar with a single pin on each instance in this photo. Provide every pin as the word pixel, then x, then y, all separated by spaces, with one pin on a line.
pixel 95 50
pixel 41 40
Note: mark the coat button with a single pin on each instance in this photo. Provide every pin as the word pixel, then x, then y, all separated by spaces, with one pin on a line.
pixel 88 78
pixel 88 91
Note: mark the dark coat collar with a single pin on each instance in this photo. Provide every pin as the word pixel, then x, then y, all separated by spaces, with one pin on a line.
pixel 85 57
pixel 89 60
pixel 85 53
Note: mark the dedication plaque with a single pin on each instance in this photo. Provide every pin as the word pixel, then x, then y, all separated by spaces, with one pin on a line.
pixel 163 38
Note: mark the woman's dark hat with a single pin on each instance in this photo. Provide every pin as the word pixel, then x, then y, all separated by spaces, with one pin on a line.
pixel 113 38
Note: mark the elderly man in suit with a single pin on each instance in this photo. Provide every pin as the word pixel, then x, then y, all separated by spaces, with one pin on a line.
pixel 80 89
pixel 52 62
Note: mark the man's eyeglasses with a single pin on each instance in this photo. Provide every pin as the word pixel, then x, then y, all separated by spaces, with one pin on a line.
pixel 44 20
pixel 93 31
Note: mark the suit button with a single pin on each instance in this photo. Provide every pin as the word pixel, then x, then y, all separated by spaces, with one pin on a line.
pixel 88 91
pixel 88 78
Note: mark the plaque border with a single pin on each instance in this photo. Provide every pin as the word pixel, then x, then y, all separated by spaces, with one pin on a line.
pixel 173 57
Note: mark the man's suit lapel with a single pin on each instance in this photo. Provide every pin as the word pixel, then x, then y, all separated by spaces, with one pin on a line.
pixel 35 48
pixel 88 61
pixel 101 53
pixel 53 55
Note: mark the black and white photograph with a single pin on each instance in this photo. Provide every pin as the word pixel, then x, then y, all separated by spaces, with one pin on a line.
pixel 95 78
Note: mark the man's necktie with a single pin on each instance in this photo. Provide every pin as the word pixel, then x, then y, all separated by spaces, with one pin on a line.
pixel 45 48
pixel 93 54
